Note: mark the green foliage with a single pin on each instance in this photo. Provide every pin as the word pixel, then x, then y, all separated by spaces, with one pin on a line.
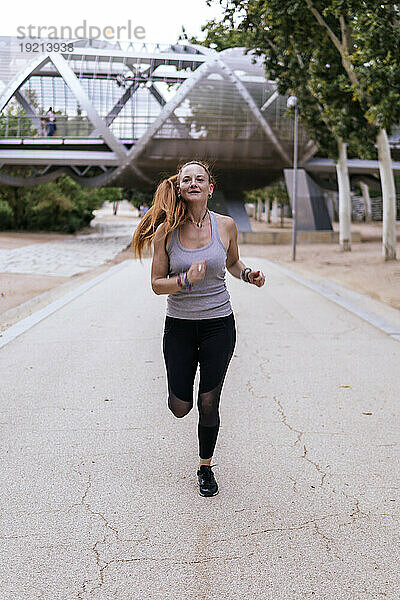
pixel 275 192
pixel 109 194
pixel 218 36
pixel 14 122
pixel 375 57
pixel 341 59
pixel 138 197
pixel 61 205
pixel 6 215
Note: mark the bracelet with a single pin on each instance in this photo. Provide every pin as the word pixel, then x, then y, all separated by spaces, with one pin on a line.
pixel 183 281
pixel 244 275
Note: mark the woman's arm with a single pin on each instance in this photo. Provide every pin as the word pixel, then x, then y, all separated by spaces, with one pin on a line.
pixel 234 264
pixel 160 283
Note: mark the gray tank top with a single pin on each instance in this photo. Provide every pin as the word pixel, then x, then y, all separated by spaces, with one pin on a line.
pixel 209 297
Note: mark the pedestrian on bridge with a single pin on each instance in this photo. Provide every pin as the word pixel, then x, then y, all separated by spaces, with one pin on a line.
pixel 192 247
pixel 51 118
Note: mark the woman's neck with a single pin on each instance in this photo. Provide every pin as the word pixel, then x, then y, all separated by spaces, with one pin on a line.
pixel 196 212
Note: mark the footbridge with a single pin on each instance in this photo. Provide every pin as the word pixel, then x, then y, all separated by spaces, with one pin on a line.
pixel 125 114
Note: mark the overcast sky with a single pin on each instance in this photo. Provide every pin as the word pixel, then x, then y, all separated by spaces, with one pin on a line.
pixel 162 21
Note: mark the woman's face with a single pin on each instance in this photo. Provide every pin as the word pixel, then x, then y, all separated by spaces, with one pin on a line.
pixel 194 184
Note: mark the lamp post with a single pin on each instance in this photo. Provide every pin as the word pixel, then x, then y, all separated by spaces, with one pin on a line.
pixel 292 101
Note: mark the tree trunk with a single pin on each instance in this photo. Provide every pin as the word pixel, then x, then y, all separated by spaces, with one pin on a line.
pixel 267 211
pixel 18 204
pixel 388 196
pixel 344 197
pixel 367 201
pixel 275 213
pixel 259 209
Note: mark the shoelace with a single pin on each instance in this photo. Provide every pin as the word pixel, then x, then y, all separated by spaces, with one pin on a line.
pixel 208 474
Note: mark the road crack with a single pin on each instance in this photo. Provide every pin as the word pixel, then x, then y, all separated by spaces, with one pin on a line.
pixel 284 421
pixel 316 465
pixel 101 564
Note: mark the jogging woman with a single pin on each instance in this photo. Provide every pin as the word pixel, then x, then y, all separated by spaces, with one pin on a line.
pixel 192 246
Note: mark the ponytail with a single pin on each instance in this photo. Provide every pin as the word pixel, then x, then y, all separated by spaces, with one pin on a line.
pixel 166 208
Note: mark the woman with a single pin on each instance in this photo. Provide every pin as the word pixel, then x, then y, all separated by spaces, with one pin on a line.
pixel 192 246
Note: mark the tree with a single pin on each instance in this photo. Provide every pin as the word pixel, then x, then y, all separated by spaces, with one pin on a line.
pixel 365 36
pixel 218 36
pixel 299 68
pixel 15 122
pixel 110 194
pixel 138 197
pixel 275 192
pixel 324 93
pixel 369 50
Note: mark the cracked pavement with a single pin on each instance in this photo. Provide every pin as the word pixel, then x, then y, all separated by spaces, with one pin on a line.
pixel 100 498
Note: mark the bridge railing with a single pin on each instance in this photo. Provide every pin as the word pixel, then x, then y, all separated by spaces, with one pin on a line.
pixel 126 127
pixel 22 126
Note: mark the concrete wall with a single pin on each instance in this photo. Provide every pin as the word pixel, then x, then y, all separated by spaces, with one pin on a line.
pixel 285 237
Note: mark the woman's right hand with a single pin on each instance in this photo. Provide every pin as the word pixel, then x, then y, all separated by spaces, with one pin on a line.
pixel 196 272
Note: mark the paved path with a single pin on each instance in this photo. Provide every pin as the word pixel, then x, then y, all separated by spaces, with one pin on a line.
pixel 101 498
pixel 82 253
pixel 68 257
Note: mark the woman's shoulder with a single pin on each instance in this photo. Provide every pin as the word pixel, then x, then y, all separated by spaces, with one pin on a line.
pixel 226 229
pixel 160 231
pixel 224 221
pixel 161 235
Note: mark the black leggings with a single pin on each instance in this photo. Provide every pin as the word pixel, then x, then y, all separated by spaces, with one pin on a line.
pixel 187 343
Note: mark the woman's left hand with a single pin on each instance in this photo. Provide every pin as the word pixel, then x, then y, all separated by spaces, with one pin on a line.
pixel 257 278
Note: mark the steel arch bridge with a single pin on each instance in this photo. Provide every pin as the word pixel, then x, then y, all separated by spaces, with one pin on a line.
pixel 127 113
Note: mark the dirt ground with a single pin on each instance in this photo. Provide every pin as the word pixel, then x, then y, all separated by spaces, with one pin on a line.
pixel 363 269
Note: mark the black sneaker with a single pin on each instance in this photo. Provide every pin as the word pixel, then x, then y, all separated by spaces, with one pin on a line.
pixel 207 483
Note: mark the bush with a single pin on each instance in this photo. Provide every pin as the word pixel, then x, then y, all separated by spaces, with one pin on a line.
pixel 6 215
pixel 62 205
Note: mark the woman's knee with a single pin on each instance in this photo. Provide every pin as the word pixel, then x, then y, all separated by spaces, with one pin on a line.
pixel 178 407
pixel 208 405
